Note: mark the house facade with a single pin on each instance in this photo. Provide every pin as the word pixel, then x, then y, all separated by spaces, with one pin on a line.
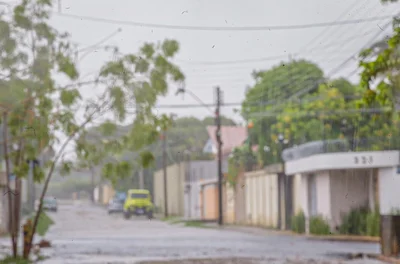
pixel 332 184
pixel 187 192
pixel 199 201
pixel 175 189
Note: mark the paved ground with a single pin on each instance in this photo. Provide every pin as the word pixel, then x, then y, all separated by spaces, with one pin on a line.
pixel 86 234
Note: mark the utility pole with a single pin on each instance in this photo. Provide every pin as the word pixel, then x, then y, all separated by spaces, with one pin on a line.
pixel 164 155
pixel 218 136
pixel 92 184
pixel 141 179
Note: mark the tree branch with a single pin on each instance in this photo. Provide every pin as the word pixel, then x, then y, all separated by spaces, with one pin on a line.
pixel 48 178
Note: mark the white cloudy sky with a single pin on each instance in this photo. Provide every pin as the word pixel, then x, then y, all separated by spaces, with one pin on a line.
pixel 202 52
pixel 327 46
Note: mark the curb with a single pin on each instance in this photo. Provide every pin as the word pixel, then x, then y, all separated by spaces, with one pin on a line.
pixel 342 238
pixel 388 259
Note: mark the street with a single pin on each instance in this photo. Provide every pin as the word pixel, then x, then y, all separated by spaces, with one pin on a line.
pixel 87 234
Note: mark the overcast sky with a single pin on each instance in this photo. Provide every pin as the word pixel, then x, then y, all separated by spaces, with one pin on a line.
pixel 226 58
pixel 327 46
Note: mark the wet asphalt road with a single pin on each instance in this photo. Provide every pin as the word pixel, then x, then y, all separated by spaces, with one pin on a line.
pixel 87 234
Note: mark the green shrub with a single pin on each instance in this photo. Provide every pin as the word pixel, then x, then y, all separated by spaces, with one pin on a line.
pixel 318 226
pixel 373 223
pixel 299 223
pixel 44 223
pixel 355 222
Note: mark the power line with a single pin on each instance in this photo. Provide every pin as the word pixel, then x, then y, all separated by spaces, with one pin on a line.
pixel 326 112
pixel 271 58
pixel 339 67
pixel 201 28
pixel 324 31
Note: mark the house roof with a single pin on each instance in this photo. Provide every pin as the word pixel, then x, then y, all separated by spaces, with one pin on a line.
pixel 231 136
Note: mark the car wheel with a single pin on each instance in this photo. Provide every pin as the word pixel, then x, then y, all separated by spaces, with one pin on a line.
pixel 150 214
pixel 127 215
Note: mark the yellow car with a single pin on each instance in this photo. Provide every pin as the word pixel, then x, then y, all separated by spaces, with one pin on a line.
pixel 138 202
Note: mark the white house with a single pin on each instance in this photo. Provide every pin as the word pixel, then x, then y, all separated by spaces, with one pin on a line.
pixel 334 183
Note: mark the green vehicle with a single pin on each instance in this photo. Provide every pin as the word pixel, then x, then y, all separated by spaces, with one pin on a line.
pixel 138 202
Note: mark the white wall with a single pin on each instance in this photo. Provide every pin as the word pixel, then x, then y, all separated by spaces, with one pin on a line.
pixel 192 201
pixel 389 190
pixel 297 193
pixel 349 190
pixel 303 195
pixel 323 197
pixel 343 160
pixel 261 198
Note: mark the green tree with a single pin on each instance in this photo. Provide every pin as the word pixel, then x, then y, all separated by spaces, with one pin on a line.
pixel 32 53
pixel 381 63
pixel 268 97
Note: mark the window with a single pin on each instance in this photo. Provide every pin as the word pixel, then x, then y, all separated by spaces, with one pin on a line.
pixel 139 196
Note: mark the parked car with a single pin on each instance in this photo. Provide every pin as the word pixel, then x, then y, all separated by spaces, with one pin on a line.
pixel 138 202
pixel 50 204
pixel 115 205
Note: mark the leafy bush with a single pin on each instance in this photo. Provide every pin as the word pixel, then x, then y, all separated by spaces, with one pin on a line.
pixel 299 223
pixel 318 226
pixel 373 223
pixel 44 223
pixel 355 222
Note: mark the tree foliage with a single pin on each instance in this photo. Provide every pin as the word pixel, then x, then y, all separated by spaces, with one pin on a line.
pixel 34 57
pixel 186 138
pixel 380 65
pixel 331 109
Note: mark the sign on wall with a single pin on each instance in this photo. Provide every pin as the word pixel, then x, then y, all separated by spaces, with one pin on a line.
pixel 361 159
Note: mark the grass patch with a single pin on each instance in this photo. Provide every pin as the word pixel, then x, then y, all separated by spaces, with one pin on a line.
pixel 44 223
pixel 171 219
pixel 198 224
pixel 17 260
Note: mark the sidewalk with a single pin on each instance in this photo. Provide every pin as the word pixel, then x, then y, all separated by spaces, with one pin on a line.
pixel 265 231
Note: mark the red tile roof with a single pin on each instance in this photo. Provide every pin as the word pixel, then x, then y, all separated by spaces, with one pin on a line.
pixel 232 136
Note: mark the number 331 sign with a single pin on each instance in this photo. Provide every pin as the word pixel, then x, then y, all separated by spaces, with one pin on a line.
pixel 363 160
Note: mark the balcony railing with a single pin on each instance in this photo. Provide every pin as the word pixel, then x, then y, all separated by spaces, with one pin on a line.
pixel 341 145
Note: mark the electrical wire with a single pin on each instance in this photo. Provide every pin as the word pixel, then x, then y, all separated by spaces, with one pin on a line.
pixel 324 31
pixel 314 113
pixel 276 57
pixel 201 28
pixel 338 68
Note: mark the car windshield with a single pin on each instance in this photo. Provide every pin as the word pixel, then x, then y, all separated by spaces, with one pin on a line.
pixel 139 195
pixel 50 201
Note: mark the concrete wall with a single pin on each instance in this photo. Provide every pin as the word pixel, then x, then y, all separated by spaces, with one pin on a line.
pixel 297 193
pixel 202 170
pixel 240 199
pixel 210 202
pixel 229 204
pixel 261 197
pixel 192 201
pixel 389 190
pixel 108 193
pixel 175 189
pixel 343 160
pixel 349 189
pixel 337 193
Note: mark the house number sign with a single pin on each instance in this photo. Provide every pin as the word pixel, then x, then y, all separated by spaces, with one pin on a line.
pixel 363 160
